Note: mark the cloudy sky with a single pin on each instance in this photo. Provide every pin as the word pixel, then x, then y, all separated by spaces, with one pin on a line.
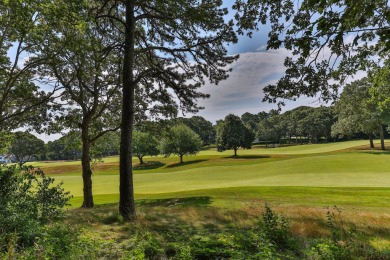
pixel 243 90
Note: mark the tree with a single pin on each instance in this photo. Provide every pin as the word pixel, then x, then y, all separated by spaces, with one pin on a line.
pixel 180 140
pixel 167 45
pixel 232 134
pixel 318 123
pixel 251 121
pixel 272 128
pixel 144 143
pixel 329 41
pixel 200 126
pixel 88 68
pixel 21 99
pixel 26 147
pixel 358 112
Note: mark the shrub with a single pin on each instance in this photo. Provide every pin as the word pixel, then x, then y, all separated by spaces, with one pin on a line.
pixel 28 200
pixel 275 228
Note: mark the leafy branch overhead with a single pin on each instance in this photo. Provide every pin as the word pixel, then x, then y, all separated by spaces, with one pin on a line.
pixel 329 41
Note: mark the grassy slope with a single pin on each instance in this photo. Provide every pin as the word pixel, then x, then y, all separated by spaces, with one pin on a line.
pixel 301 181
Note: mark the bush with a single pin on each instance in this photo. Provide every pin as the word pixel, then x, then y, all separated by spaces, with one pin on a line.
pixel 28 200
pixel 276 229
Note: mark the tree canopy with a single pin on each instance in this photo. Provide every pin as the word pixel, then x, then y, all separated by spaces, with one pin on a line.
pixel 180 140
pixel 233 134
pixel 26 147
pixel 329 41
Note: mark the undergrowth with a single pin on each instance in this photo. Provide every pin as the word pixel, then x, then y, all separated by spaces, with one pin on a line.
pixel 268 238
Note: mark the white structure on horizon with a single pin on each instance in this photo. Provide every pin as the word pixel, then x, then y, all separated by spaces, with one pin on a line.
pixel 4 159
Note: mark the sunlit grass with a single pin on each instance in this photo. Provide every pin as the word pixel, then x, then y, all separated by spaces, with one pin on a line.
pixel 217 190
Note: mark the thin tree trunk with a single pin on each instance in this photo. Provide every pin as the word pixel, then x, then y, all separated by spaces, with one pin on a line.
pixel 141 161
pixel 126 190
pixel 181 158
pixel 371 141
pixel 235 151
pixel 86 168
pixel 382 136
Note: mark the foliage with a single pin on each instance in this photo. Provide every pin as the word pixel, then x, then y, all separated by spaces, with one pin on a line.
pixel 329 41
pixel 355 113
pixel 26 147
pixel 311 123
pixel 232 134
pixel 180 140
pixel 21 99
pixel 276 229
pixel 201 127
pixel 144 144
pixel 251 121
pixel 28 199
pixel 272 128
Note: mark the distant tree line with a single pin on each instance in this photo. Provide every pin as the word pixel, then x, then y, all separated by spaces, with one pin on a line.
pixel 355 115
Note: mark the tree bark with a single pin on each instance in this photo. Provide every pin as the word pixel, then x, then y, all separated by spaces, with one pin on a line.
pixel 382 136
pixel 141 161
pixel 126 190
pixel 371 141
pixel 86 168
pixel 235 151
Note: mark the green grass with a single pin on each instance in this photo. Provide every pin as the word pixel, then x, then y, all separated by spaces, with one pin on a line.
pixel 303 182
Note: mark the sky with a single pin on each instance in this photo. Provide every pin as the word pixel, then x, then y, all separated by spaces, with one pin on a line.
pixel 243 90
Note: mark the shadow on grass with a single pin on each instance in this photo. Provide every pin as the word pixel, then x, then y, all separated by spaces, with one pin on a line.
pixel 254 156
pixel 149 165
pixel 171 202
pixel 185 163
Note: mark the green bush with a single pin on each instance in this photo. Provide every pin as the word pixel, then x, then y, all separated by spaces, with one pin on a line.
pixel 276 229
pixel 28 200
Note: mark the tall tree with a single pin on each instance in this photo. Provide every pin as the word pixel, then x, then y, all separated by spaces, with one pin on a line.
pixel 167 45
pixel 233 134
pixel 79 56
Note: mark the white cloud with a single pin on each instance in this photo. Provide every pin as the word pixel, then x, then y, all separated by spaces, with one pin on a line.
pixel 243 90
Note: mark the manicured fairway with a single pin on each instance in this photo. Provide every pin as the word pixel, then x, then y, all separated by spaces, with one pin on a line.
pixel 336 165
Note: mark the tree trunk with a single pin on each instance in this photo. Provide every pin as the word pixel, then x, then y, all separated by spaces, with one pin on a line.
pixel 371 142
pixel 235 151
pixel 181 158
pixel 86 168
pixel 382 136
pixel 126 190
pixel 141 161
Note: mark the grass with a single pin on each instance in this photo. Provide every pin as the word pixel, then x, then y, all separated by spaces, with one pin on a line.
pixel 302 181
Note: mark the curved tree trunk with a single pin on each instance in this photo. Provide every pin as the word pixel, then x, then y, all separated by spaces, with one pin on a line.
pixel 141 160
pixel 382 136
pixel 86 168
pixel 372 141
pixel 126 190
